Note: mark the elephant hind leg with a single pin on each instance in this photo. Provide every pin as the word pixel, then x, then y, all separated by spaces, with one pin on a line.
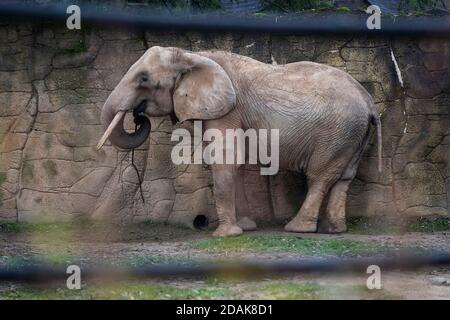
pixel 306 218
pixel 320 179
pixel 334 220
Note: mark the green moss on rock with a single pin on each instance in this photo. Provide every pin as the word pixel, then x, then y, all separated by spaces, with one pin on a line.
pixel 27 171
pixel 50 168
pixel 78 48
pixel 2 177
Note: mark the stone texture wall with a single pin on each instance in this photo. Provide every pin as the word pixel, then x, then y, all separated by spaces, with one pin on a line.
pixel 53 83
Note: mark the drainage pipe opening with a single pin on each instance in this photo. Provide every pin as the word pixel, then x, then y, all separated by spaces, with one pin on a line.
pixel 200 222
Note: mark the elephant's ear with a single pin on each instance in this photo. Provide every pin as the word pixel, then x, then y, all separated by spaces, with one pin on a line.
pixel 204 90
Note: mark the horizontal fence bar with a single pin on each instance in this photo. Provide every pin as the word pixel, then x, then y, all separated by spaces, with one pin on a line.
pixel 238 269
pixel 145 17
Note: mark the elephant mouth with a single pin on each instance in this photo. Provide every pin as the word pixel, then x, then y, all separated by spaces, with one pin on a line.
pixel 138 111
pixel 138 116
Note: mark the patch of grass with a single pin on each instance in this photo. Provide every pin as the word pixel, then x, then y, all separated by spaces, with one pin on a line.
pixel 25 227
pixel 315 291
pixel 430 224
pixel 100 231
pixel 119 291
pixel 260 14
pixel 343 9
pixel 63 259
pixel 133 290
pixel 299 5
pixel 141 261
pixel 288 291
pixel 381 225
pixel 286 244
pixel 51 258
pixel 378 294
pixel 9 227
pixel 157 231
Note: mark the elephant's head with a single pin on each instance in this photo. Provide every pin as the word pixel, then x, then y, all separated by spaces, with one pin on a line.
pixel 162 82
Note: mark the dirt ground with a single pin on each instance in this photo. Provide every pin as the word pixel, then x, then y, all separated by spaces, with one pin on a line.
pixel 150 243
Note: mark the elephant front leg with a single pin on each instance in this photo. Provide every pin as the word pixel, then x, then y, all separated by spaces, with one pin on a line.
pixel 224 177
pixel 242 205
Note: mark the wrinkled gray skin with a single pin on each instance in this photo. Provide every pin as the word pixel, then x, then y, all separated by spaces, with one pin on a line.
pixel 323 115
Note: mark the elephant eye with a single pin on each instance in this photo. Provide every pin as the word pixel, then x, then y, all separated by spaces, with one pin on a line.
pixel 144 78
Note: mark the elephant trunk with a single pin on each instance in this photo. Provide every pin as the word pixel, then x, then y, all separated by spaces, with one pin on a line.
pixel 115 132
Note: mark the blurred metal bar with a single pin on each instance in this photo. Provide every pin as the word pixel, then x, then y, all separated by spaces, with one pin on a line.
pixel 40 273
pixel 332 23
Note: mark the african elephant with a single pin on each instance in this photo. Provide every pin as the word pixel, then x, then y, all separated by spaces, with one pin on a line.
pixel 323 115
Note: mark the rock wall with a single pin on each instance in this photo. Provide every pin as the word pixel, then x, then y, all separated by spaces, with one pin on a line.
pixel 53 83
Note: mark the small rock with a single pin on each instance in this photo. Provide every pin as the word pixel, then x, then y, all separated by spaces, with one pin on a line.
pixel 440 281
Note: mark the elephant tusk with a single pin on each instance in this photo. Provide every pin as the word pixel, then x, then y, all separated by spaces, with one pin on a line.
pixel 111 127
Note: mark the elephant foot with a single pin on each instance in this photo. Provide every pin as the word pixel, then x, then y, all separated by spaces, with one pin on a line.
pixel 329 227
pixel 246 224
pixel 296 225
pixel 227 231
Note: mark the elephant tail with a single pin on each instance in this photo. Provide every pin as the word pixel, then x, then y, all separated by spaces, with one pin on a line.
pixel 375 120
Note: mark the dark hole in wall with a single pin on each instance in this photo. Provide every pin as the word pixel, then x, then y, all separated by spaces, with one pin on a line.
pixel 200 222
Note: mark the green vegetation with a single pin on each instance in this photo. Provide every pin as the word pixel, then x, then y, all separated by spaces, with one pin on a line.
pixel 159 231
pixel 383 225
pixel 182 4
pixel 61 243
pixel 78 48
pixel 121 291
pixel 416 7
pixel 49 258
pixel 25 227
pixel 206 4
pixel 100 231
pixel 289 291
pixel 314 291
pixel 2 177
pixel 343 9
pixel 430 225
pixel 299 5
pixel 131 290
pixel 286 244
pixel 27 171
pixel 363 292
pixel 9 227
pixel 417 4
